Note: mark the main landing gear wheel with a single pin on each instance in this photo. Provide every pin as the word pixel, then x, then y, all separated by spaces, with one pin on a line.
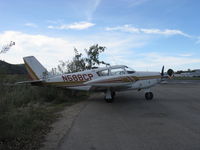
pixel 111 99
pixel 149 96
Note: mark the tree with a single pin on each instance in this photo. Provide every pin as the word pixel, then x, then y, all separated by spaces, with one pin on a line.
pixel 80 63
pixel 77 64
pixel 7 47
pixel 93 56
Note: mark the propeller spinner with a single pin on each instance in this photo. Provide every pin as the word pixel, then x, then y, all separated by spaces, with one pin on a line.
pixel 169 73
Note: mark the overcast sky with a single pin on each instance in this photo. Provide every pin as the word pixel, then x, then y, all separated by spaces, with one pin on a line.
pixel 143 34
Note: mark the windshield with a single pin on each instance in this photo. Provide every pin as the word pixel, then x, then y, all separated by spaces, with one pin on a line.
pixel 117 71
pixel 129 70
pixel 103 72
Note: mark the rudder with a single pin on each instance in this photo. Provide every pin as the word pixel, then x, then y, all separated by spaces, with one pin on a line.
pixel 34 68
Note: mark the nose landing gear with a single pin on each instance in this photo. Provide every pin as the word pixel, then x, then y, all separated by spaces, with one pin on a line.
pixel 109 96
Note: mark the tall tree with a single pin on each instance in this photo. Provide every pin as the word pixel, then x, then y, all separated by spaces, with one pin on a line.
pixel 92 58
pixel 7 47
pixel 80 63
pixel 77 64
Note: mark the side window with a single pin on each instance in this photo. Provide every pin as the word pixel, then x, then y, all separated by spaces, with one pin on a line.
pixel 129 70
pixel 117 71
pixel 103 73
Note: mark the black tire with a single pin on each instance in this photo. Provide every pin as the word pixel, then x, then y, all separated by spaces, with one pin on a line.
pixel 109 100
pixel 113 95
pixel 149 96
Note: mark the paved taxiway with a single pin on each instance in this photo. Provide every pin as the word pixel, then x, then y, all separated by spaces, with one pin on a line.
pixel 169 122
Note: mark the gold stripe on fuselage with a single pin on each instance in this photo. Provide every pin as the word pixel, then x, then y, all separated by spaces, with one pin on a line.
pixel 149 77
pixel 129 79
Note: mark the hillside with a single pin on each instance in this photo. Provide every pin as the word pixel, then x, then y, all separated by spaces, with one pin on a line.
pixel 6 68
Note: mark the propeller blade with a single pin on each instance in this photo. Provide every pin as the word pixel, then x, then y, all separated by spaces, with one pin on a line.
pixel 162 71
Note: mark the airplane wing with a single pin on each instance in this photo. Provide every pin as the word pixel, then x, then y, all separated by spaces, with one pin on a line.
pixel 112 82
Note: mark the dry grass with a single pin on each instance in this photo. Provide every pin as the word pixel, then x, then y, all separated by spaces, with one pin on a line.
pixel 26 112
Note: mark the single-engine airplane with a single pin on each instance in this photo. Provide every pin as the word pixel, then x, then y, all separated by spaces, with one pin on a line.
pixel 109 79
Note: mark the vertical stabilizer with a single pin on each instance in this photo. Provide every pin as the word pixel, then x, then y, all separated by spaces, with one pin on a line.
pixel 34 68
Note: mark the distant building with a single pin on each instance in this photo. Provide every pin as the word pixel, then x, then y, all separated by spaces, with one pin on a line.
pixel 187 74
pixel 177 75
pixel 196 73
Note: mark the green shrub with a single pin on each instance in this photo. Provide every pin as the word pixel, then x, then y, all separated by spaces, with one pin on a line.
pixel 22 128
pixel 26 112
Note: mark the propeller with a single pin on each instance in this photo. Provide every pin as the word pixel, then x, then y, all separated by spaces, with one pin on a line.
pixel 169 73
pixel 162 71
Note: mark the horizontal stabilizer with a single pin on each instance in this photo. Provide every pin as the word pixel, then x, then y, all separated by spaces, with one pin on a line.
pixel 35 82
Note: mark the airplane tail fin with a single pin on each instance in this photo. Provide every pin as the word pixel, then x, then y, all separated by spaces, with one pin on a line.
pixel 34 68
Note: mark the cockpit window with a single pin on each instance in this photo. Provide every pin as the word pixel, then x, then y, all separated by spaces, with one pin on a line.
pixel 117 71
pixel 103 72
pixel 129 70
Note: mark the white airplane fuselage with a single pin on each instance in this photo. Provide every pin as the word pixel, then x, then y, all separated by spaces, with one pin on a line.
pixel 85 80
pixel 108 79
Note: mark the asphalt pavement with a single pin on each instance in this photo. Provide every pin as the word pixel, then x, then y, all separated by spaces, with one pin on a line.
pixel 171 121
